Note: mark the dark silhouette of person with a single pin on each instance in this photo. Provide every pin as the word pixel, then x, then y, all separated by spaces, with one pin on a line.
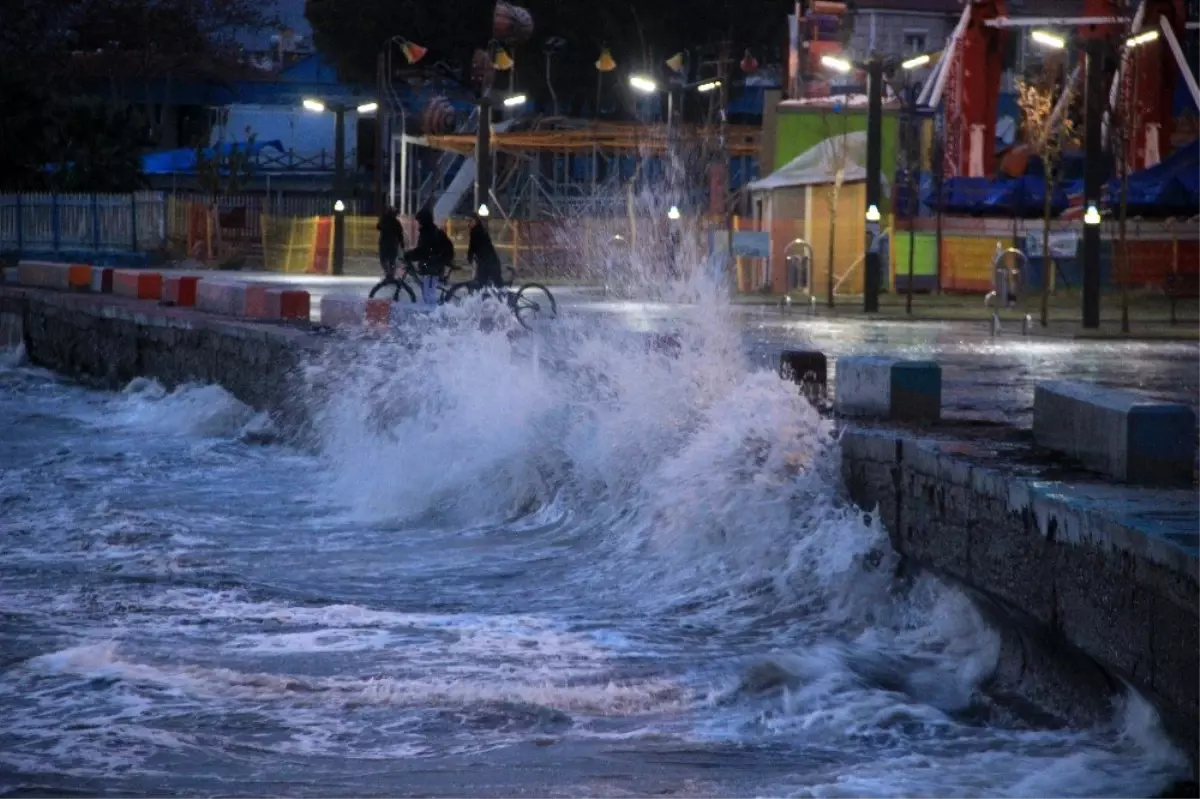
pixel 433 254
pixel 391 241
pixel 482 253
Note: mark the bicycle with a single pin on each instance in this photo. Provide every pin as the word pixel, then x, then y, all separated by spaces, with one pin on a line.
pixel 400 288
pixel 530 302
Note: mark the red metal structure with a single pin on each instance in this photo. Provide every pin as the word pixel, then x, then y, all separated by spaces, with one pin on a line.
pixel 973 64
pixel 1149 82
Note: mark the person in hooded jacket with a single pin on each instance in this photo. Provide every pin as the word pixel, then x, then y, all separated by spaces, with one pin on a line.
pixel 433 254
pixel 391 241
pixel 482 253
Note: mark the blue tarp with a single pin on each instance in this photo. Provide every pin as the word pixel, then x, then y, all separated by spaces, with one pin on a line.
pixel 1169 188
pixel 1023 197
pixel 173 162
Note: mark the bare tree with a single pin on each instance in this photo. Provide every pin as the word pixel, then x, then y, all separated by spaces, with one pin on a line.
pixel 834 154
pixel 1046 134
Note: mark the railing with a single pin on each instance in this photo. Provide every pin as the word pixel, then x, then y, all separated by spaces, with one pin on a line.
pixel 47 222
pixel 311 161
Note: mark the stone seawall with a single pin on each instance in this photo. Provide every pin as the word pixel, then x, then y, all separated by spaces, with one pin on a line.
pixel 106 341
pixel 1108 570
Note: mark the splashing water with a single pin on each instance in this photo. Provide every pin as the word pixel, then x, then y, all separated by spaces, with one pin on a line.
pixel 571 562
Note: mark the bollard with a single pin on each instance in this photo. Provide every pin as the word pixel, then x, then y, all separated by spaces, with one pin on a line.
pixel 808 369
pixel 1130 437
pixel 995 324
pixel 889 388
pixel 1026 325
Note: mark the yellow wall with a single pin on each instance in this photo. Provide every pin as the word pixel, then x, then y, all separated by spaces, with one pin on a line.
pixel 849 233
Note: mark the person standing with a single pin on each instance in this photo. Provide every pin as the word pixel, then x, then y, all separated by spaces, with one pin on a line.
pixel 391 241
pixel 433 254
pixel 482 253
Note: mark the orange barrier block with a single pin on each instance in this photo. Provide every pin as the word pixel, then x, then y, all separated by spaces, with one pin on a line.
pixel 102 279
pixel 378 313
pixel 288 303
pixel 254 301
pixel 51 275
pixel 180 290
pixel 214 296
pixel 138 284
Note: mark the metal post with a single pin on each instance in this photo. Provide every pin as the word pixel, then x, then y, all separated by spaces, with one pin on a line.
pixel 483 152
pixel 378 195
pixel 133 219
pixel 723 73
pixel 339 238
pixel 392 169
pixel 670 111
pixel 1092 180
pixel 339 152
pixel 20 225
pixel 871 260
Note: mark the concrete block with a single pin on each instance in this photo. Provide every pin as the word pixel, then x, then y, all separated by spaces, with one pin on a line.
pixel 254 301
pixel 102 280
pixel 222 297
pixel 51 275
pixel 343 311
pixel 889 388
pixel 288 303
pixel 180 290
pixel 803 366
pixel 378 313
pixel 138 284
pixel 1122 434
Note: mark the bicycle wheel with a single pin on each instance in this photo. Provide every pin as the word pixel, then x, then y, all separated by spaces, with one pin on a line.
pixel 398 290
pixel 534 304
pixel 457 293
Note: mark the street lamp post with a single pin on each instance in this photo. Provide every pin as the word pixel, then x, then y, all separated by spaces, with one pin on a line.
pixel 872 258
pixel 871 261
pixel 339 168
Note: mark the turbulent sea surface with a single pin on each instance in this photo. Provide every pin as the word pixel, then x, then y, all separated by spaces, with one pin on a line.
pixel 565 565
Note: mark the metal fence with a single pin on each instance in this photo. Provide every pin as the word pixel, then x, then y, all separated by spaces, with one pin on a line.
pixel 45 222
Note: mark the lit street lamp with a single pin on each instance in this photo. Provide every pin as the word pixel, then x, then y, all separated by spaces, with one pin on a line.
pixel 339 167
pixel 1094 108
pixel 647 85
pixel 872 260
pixel 1048 39
pixel 514 101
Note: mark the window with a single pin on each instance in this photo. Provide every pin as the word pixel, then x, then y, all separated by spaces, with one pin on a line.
pixel 914 42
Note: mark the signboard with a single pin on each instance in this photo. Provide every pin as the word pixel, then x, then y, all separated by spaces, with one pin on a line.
pixel 1063 243
pixel 752 244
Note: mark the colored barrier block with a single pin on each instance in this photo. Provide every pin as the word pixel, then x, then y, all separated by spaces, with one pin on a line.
pixel 378 313
pixel 254 301
pixel 138 284
pixel 1122 434
pixel 180 290
pixel 889 388
pixel 214 296
pixel 287 303
pixel 343 311
pixel 102 279
pixel 50 275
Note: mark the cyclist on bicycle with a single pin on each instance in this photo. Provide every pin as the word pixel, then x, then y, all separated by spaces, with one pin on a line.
pixel 482 253
pixel 433 254
pixel 391 241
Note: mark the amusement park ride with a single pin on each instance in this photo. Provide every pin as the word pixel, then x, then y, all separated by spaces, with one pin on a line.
pixel 966 80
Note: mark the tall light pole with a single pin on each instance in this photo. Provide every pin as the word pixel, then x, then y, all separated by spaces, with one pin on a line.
pixel 871 261
pixel 339 167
